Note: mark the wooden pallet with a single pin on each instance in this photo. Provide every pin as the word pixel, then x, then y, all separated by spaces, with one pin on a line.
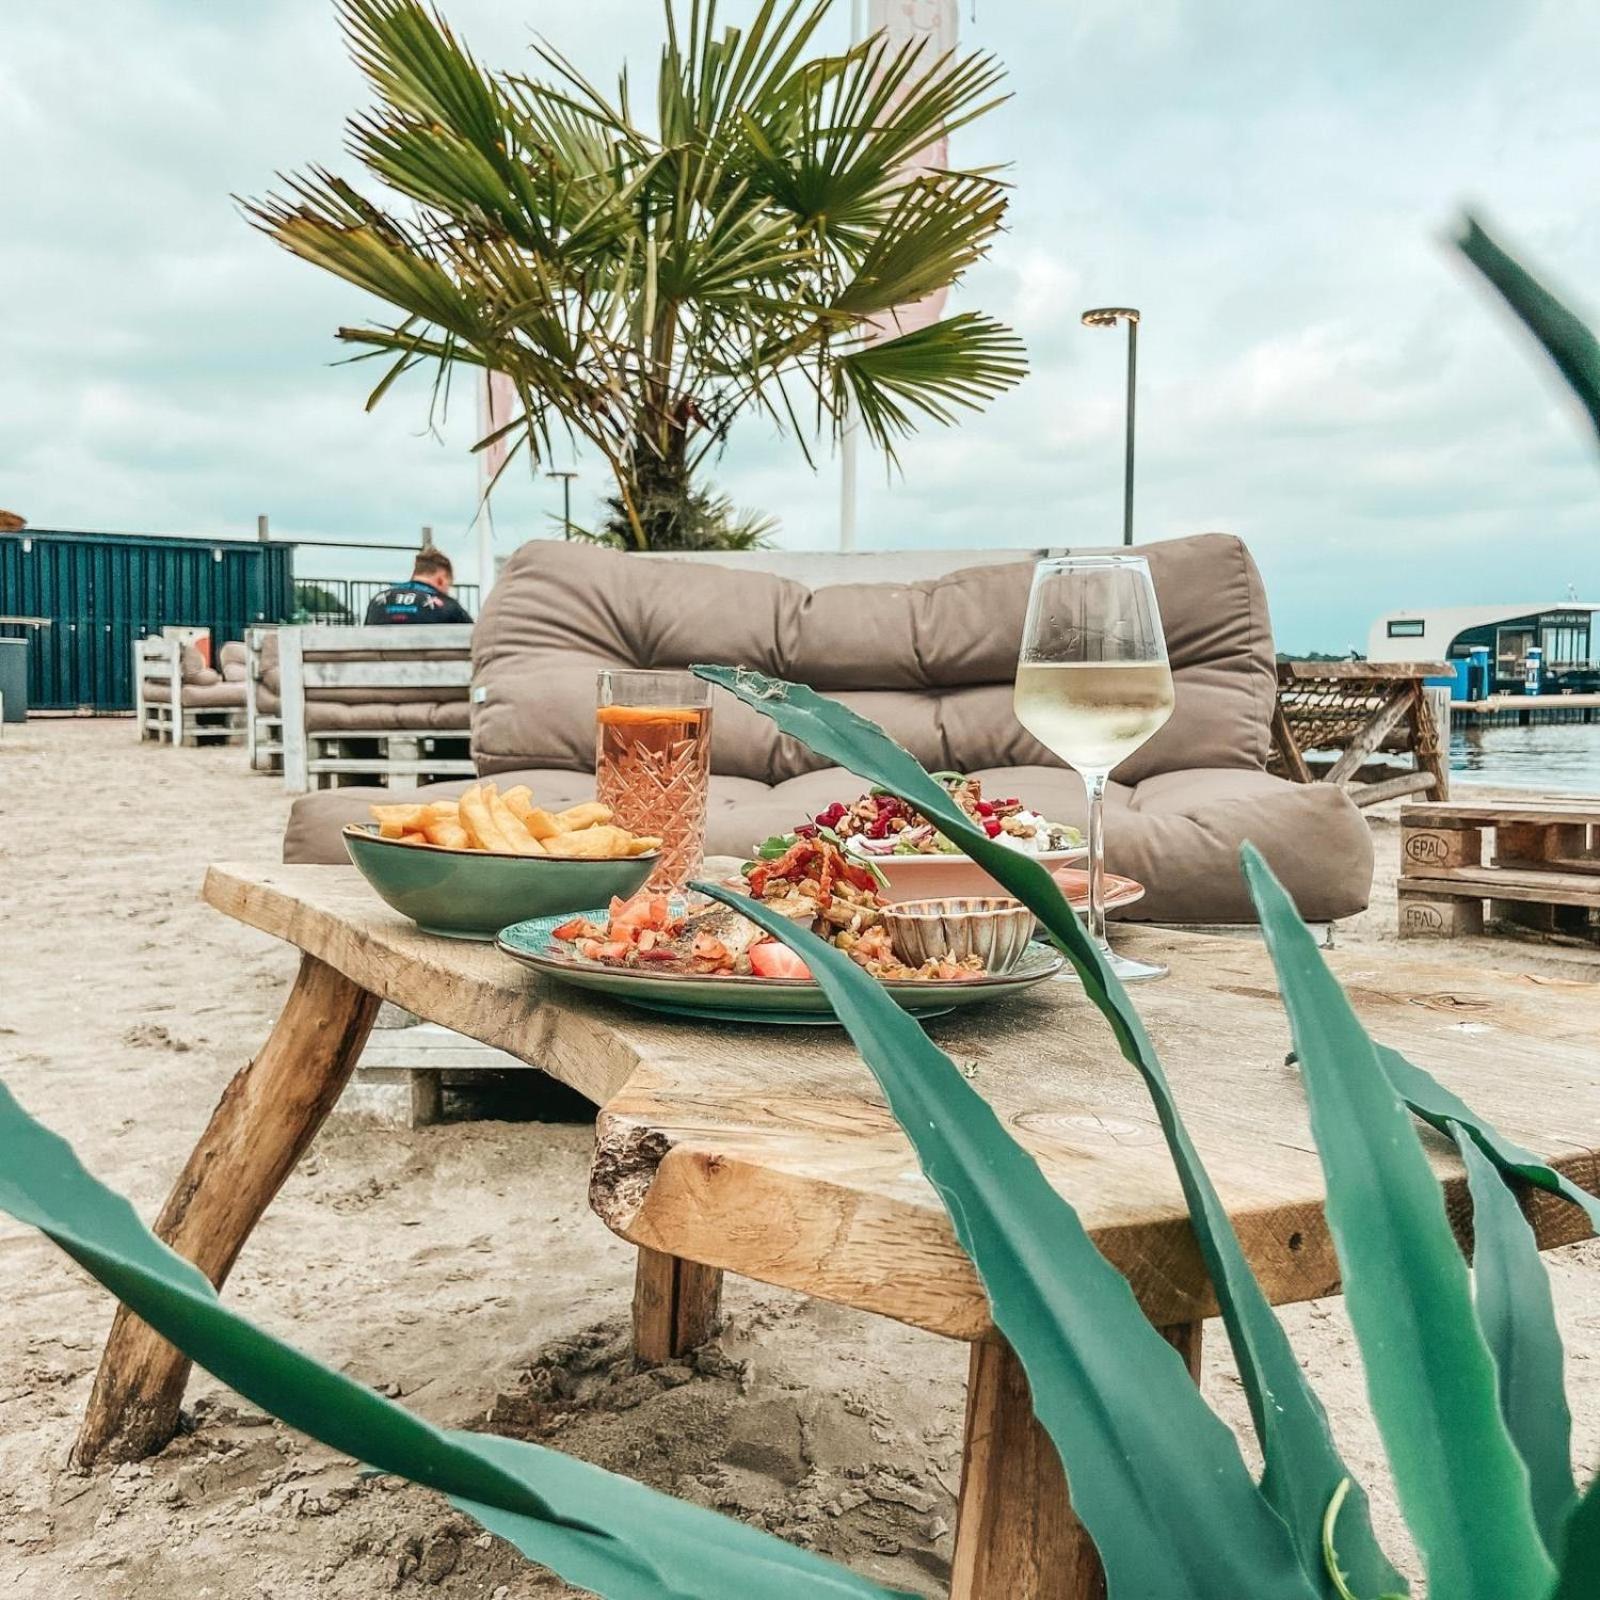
pixel 1539 872
pixel 403 760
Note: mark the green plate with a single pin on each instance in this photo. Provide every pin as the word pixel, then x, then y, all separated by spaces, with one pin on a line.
pixel 735 999
pixel 473 894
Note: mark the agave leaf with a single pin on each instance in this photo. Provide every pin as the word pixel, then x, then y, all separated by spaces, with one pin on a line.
pixel 1580 1556
pixel 1157 1478
pixel 599 1531
pixel 1437 1106
pixel 1430 1376
pixel 1303 1466
pixel 1511 1293
pixel 1566 339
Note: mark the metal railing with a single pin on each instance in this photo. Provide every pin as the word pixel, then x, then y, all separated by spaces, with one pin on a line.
pixel 345 600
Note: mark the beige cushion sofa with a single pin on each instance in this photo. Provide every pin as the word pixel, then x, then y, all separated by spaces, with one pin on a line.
pixel 933 662
pixel 440 709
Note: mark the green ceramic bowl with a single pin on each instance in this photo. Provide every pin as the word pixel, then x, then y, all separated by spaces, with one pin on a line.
pixel 473 894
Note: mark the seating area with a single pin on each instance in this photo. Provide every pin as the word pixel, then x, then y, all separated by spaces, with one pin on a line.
pixel 933 662
pixel 180 698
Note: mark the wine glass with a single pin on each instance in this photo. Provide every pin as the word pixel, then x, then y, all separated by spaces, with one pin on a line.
pixel 1092 685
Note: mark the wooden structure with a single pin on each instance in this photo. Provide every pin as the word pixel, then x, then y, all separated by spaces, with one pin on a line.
pixel 1355 709
pixel 180 713
pixel 1536 864
pixel 400 739
pixel 770 1153
pixel 263 727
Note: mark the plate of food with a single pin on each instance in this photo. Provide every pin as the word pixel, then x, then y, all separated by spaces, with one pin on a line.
pixel 915 860
pixel 697 957
pixel 465 868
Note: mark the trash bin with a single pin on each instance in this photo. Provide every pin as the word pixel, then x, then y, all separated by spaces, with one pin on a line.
pixel 14 678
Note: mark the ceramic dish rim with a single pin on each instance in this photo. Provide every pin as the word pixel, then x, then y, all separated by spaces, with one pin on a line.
pixel 558 965
pixel 365 831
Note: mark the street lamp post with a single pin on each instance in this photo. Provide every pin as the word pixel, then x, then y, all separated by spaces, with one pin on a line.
pixel 1109 317
pixel 566 499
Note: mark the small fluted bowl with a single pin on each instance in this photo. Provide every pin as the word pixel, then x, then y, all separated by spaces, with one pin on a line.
pixel 992 928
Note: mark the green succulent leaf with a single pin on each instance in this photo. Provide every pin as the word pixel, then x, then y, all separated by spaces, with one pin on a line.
pixel 1430 1376
pixel 1564 335
pixel 1439 1108
pixel 1580 1555
pixel 1517 1314
pixel 1303 1467
pixel 1157 1478
pixel 599 1531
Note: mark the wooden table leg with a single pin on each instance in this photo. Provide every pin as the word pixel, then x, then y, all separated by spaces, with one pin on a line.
pixel 1016 1535
pixel 265 1120
pixel 675 1305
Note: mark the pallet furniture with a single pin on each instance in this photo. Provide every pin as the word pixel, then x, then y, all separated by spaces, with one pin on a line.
pixel 1539 871
pixel 263 722
pixel 1355 709
pixel 769 1153
pixel 170 707
pixel 381 705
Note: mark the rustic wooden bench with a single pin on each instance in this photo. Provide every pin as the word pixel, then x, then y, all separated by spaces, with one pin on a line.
pixel 1356 710
pixel 1540 871
pixel 769 1153
pixel 330 736
pixel 169 710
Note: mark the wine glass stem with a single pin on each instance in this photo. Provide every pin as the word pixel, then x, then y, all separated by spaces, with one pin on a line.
pixel 1097 856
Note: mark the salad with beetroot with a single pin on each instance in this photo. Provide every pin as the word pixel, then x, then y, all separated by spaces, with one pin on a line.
pixel 880 825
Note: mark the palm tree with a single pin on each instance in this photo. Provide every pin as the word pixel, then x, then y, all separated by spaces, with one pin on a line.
pixel 640 287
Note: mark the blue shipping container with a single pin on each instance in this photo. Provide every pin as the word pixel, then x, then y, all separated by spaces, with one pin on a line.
pixel 101 591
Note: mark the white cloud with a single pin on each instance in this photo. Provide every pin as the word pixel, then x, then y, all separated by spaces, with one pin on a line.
pixel 1267 183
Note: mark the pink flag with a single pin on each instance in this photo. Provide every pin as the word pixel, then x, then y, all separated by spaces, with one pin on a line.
pixel 497 405
pixel 905 22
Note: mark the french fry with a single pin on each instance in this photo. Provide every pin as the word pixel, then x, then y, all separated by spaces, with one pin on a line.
pixel 413 838
pixel 441 811
pixel 407 818
pixel 588 815
pixel 599 843
pixel 391 830
pixel 479 823
pixel 541 824
pixel 516 836
pixel 447 832
pixel 642 844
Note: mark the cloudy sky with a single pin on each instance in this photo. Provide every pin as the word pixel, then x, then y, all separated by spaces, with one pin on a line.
pixel 1270 184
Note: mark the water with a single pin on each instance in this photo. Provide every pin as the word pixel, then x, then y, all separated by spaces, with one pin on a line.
pixel 1555 757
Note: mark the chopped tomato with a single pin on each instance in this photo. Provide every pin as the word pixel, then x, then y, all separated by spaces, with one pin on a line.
pixel 769 959
pixel 641 912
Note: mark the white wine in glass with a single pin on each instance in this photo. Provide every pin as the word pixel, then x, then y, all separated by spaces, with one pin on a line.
pixel 1093 685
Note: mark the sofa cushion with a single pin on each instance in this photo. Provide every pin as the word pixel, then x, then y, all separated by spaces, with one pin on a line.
pixel 1181 839
pixel 932 662
pixel 209 696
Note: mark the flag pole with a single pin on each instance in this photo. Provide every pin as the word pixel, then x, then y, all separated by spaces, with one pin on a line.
pixel 848 441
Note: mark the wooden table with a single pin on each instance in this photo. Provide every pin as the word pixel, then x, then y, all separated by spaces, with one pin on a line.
pixel 768 1152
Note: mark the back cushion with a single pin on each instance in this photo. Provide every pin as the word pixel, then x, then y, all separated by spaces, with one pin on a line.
pixel 932 662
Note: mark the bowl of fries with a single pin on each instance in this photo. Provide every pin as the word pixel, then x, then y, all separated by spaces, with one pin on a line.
pixel 468 868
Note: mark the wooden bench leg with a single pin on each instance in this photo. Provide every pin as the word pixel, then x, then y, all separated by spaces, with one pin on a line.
pixel 1016 1535
pixel 265 1120
pixel 676 1306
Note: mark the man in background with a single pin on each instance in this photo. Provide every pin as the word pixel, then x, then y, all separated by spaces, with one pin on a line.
pixel 426 598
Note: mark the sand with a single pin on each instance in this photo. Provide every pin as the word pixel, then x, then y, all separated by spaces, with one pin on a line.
pixel 457 1267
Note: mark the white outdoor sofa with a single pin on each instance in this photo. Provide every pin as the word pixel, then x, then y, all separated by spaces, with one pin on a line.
pixel 385 705
pixel 178 699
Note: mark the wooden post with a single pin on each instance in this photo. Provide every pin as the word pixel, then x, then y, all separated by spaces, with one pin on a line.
pixel 292 709
pixel 1283 736
pixel 1016 1535
pixel 265 1120
pixel 675 1306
